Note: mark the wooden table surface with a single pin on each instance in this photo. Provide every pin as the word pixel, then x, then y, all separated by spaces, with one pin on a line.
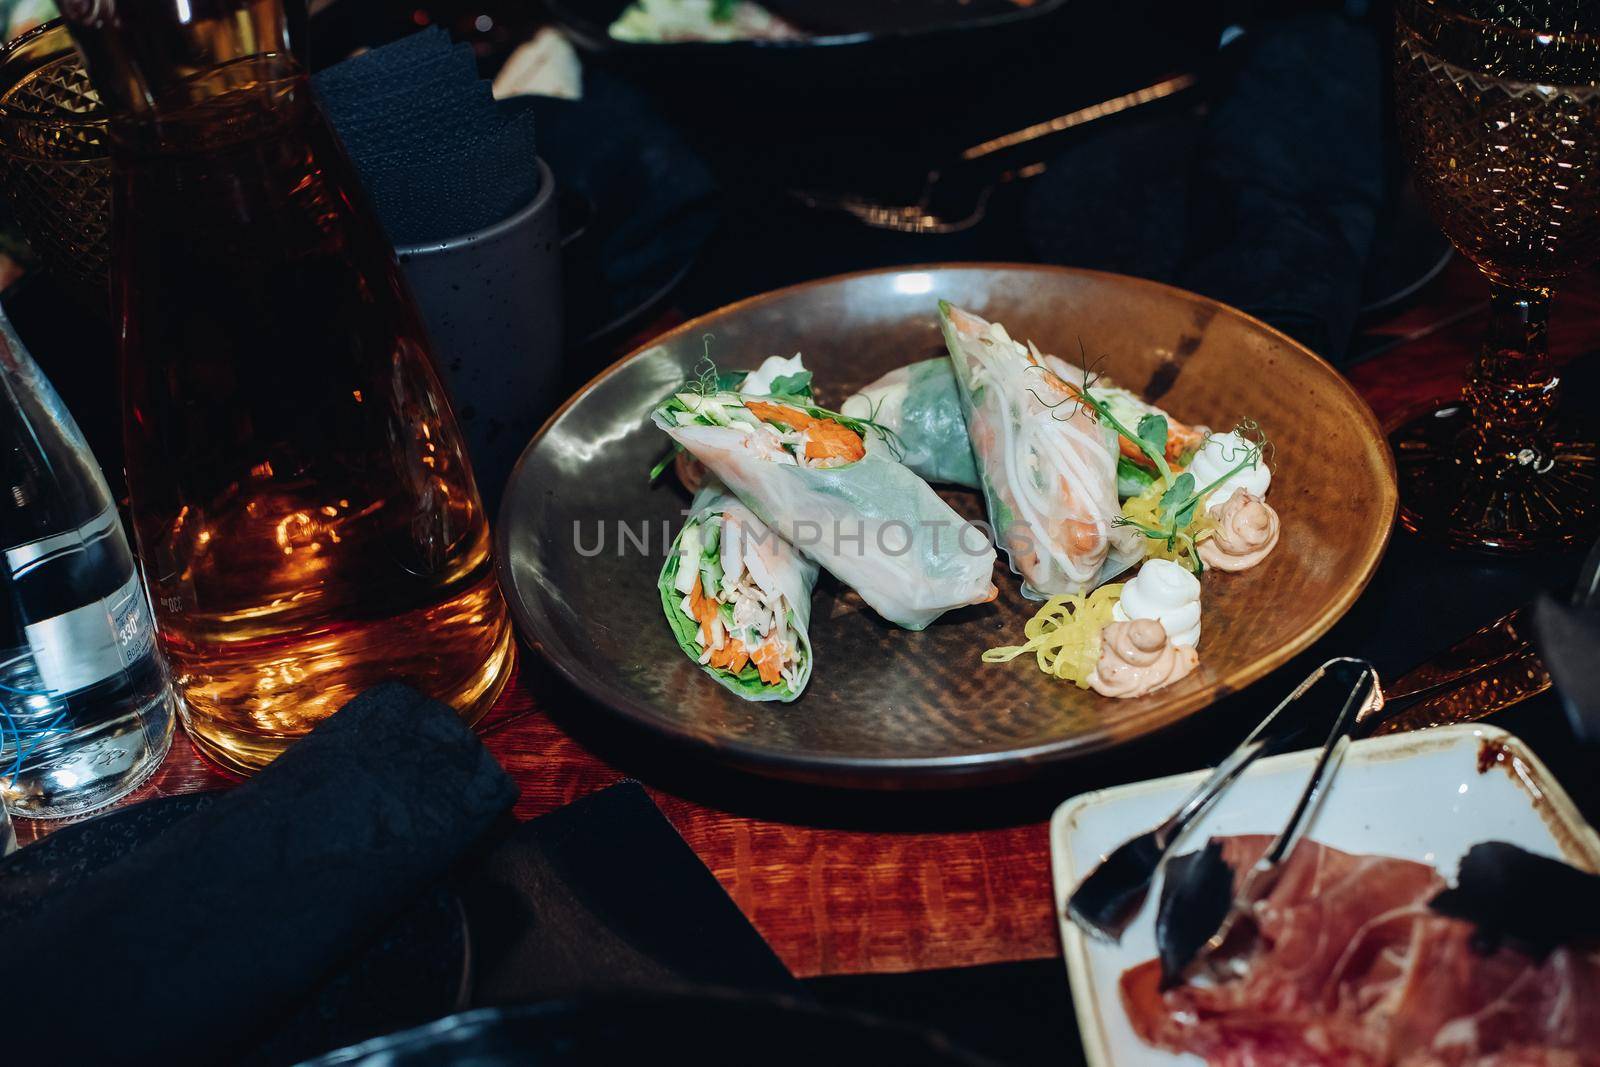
pixel 856 897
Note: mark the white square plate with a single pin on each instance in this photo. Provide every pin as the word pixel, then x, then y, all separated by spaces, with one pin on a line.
pixel 1418 796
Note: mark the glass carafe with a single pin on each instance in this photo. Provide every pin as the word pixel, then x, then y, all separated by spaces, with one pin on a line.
pixel 85 706
pixel 300 491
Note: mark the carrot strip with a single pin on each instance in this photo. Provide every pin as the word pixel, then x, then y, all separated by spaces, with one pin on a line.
pixel 793 418
pixel 828 440
pixel 703 609
pixel 731 656
pixel 825 439
pixel 769 662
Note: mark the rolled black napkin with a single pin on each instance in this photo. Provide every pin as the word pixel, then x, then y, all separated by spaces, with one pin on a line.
pixel 1267 200
pixel 604 895
pixel 435 154
pixel 412 971
pixel 198 945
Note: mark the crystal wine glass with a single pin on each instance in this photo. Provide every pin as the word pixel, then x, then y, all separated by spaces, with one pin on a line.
pixel 1499 109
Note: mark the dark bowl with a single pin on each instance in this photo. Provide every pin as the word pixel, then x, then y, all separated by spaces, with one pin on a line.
pixel 664 1027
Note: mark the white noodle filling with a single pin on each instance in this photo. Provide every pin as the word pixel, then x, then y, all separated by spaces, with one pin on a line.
pixel 732 554
pixel 759 611
pixel 1033 446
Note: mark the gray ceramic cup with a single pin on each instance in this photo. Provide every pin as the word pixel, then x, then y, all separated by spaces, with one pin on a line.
pixel 492 304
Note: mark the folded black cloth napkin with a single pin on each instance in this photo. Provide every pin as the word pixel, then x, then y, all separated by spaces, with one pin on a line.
pixel 604 895
pixel 1568 638
pixel 1268 199
pixel 198 945
pixel 436 154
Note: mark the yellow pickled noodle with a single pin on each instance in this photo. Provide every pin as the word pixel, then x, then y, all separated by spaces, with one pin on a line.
pixel 1064 635
pixel 1145 509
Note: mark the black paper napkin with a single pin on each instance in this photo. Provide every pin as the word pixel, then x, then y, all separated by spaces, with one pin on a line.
pixel 438 158
pixel 604 895
pixel 1267 199
pixel 198 945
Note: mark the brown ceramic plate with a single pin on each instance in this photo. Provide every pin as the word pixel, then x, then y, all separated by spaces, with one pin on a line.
pixel 887 707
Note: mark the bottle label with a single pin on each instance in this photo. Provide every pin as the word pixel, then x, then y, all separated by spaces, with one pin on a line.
pixel 86 614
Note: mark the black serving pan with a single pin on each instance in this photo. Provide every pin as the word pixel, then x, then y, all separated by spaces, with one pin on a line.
pixel 865 44
pixel 886 78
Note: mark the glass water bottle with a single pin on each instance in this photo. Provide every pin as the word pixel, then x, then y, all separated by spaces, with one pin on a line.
pixel 300 491
pixel 85 705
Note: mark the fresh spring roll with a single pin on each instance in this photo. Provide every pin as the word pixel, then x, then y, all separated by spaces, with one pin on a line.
pixel 1048 467
pixel 918 403
pixel 833 488
pixel 738 598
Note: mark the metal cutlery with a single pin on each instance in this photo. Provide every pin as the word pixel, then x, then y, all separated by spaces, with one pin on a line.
pixel 1586 592
pixel 956 197
pixel 1107 900
pixel 1196 942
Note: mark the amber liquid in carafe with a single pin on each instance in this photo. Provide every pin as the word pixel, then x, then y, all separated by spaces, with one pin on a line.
pixel 300 491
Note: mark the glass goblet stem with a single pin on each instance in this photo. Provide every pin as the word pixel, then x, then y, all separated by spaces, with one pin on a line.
pixel 1512 392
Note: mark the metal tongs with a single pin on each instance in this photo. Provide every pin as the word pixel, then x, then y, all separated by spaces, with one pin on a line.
pixel 1107 900
pixel 1202 916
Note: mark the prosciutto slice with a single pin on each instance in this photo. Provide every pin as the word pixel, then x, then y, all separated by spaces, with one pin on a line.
pixel 1353 968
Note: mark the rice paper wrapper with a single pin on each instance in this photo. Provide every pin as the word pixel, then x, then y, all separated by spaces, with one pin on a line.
pixel 794 576
pixel 920 405
pixel 872 524
pixel 1047 467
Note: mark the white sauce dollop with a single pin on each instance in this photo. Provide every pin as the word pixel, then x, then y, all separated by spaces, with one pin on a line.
pixel 1167 592
pixel 1220 454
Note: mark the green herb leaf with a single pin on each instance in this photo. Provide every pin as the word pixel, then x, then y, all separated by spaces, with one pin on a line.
pixel 797 384
pixel 1176 496
pixel 1132 479
pixel 1152 431
pixel 722 10
pixel 729 381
